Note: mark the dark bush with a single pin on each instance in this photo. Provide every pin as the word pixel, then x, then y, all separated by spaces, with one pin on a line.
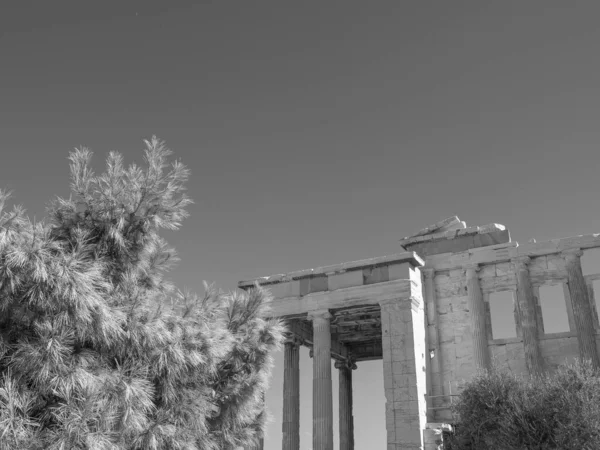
pixel 499 410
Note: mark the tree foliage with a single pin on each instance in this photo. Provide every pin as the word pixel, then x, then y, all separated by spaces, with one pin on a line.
pixel 97 349
pixel 498 410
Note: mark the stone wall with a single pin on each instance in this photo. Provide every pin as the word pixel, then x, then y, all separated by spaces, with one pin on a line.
pixel 455 336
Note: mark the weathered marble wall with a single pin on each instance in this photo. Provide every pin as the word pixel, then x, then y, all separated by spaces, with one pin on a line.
pixel 455 336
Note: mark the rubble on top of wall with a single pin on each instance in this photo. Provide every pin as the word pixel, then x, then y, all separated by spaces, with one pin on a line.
pixel 452 228
pixel 451 223
pixel 452 235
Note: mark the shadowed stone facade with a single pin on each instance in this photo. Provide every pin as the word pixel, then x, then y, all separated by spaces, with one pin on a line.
pixel 425 312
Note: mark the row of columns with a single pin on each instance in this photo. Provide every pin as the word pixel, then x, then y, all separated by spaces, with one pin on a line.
pixel 404 373
pixel 526 307
pixel 582 307
pixel 322 391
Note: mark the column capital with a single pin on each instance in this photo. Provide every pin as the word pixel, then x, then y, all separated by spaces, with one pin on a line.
pixel 294 340
pixel 572 254
pixel 521 262
pixel 475 267
pixel 348 364
pixel 429 272
pixel 321 314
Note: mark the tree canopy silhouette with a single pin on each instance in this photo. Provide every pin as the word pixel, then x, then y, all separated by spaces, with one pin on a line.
pixel 97 349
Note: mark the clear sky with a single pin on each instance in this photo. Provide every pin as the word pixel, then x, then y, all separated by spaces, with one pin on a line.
pixel 316 132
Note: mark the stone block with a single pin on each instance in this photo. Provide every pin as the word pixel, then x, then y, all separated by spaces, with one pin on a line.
pixel 504 269
pixel 408 410
pixel 560 346
pixel 376 274
pixel 487 271
pixel 399 271
pixel 491 227
pixel 465 240
pixel 403 381
pixel 446 335
pixel 285 289
pixel 506 282
pixel 401 353
pixel 409 436
pixel 492 238
pixel 498 352
pixel 317 283
pixel 556 263
pixel 447 286
pixel 304 286
pixel 538 266
pixel 517 366
pixel 515 351
pixel 406 367
pixel 345 279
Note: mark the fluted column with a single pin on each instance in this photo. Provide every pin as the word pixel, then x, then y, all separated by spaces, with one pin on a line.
pixel 432 364
pixel 527 316
pixel 481 355
pixel 346 428
pixel 291 395
pixel 322 395
pixel 582 307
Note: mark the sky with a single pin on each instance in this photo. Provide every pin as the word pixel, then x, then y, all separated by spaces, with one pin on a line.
pixel 315 132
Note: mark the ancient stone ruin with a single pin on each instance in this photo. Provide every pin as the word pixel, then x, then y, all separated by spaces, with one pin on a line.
pixel 430 312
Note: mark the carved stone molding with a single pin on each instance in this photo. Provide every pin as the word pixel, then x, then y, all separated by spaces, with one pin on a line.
pixel 572 254
pixel 521 262
pixel 319 315
pixel 472 267
pixel 349 364
pixel 428 272
pixel 292 339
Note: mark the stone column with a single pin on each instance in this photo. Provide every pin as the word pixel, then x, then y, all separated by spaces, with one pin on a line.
pixel 291 395
pixel 527 316
pixel 404 378
pixel 322 395
pixel 345 369
pixel 481 354
pixel 433 364
pixel 582 307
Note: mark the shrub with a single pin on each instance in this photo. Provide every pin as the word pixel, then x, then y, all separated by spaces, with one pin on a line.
pixel 498 410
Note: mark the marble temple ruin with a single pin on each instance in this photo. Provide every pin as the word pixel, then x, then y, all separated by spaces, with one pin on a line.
pixel 427 312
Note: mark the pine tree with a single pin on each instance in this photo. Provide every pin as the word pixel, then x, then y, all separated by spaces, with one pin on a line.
pixel 97 349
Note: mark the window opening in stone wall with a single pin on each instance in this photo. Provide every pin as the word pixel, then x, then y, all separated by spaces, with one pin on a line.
pixel 590 261
pixel 502 312
pixel 554 309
